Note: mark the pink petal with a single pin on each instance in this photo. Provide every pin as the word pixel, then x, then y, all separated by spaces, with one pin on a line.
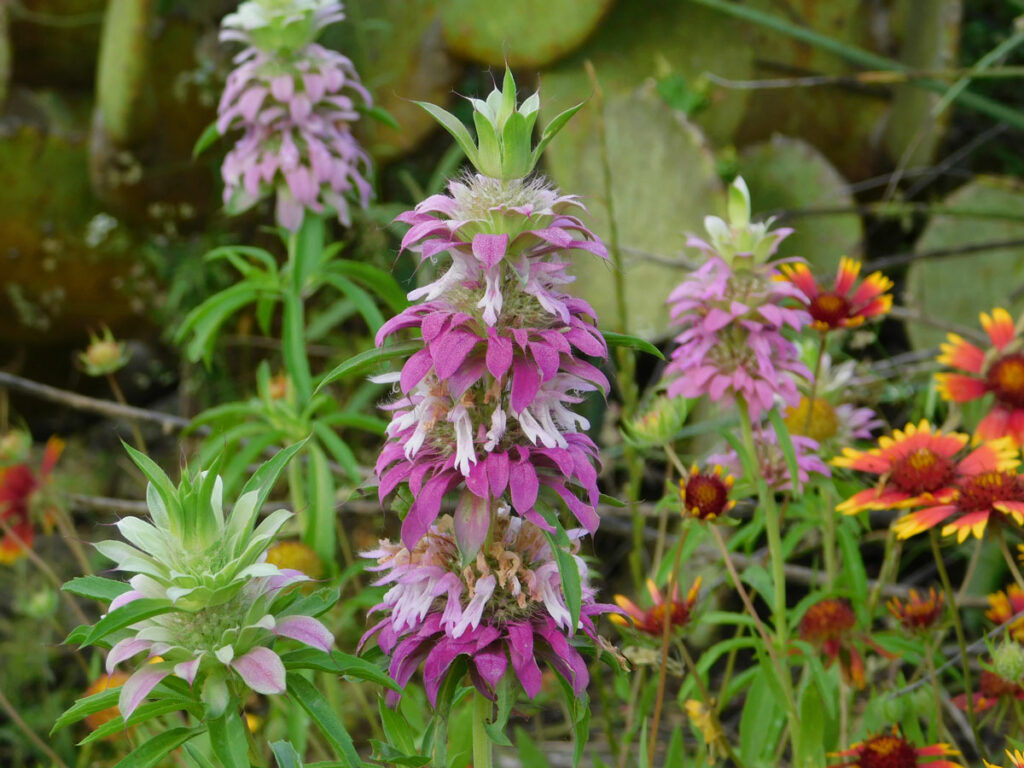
pixel 262 670
pixel 125 649
pixel 138 686
pixel 306 630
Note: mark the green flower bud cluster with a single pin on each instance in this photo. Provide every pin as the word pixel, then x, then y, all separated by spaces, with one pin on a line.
pixel 504 143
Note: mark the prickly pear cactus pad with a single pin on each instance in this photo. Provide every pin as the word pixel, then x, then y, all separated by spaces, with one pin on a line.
pixel 498 33
pixel 663 182
pixel 955 288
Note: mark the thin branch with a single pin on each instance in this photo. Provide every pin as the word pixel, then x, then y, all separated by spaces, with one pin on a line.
pixel 168 421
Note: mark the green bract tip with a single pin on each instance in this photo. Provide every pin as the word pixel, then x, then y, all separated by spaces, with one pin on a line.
pixel 504 131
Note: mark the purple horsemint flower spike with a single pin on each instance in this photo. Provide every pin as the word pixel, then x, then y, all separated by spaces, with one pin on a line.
pixel 733 311
pixel 295 101
pixel 503 607
pixel 485 407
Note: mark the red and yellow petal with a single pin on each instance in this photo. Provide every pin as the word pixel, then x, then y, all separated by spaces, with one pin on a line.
pixel 846 275
pixel 800 276
pixel 880 306
pixel 996 454
pixel 863 461
pixel 922 520
pixel 54 448
pixel 971 523
pixel 960 353
pixel 999 327
pixel 874 286
pixel 960 388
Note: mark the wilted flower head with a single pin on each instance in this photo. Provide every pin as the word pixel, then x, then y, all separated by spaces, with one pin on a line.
pixel 295 101
pixel 651 621
pixel 704 720
pixel 892 750
pixel 1003 606
pixel 998 370
pixel 918 614
pixel 223 605
pixel 733 312
pixel 706 494
pixel 504 605
pixel 831 625
pixel 771 461
pixel 846 305
pixel 23 501
pixel 832 419
pixel 104 355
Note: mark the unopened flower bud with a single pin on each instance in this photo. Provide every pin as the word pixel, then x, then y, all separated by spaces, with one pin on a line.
pixel 1008 661
pixel 104 355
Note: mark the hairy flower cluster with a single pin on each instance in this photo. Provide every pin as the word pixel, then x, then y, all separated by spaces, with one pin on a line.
pixel 295 101
pixel 486 405
pixel 733 311
pixel 504 606
pixel 484 415
pixel 222 605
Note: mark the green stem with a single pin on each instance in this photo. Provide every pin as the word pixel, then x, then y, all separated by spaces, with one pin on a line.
pixel 773 529
pixel 936 696
pixel 482 749
pixel 1008 556
pixel 666 633
pixel 961 641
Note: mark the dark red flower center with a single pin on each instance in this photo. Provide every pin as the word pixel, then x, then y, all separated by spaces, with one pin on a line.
pixel 654 621
pixel 888 750
pixel 828 620
pixel 981 491
pixel 993 686
pixel 922 471
pixel 829 308
pixel 1005 380
pixel 707 494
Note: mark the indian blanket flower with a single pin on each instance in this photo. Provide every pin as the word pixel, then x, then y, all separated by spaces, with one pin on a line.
pixel 925 468
pixel 771 461
pixel 705 493
pixel 892 750
pixel 733 312
pixel 223 605
pixel 830 625
pixel 1003 606
pixel 503 609
pixel 846 304
pixel 651 621
pixel 998 370
pixel 485 408
pixel 22 493
pixel 295 102
pixel 919 613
